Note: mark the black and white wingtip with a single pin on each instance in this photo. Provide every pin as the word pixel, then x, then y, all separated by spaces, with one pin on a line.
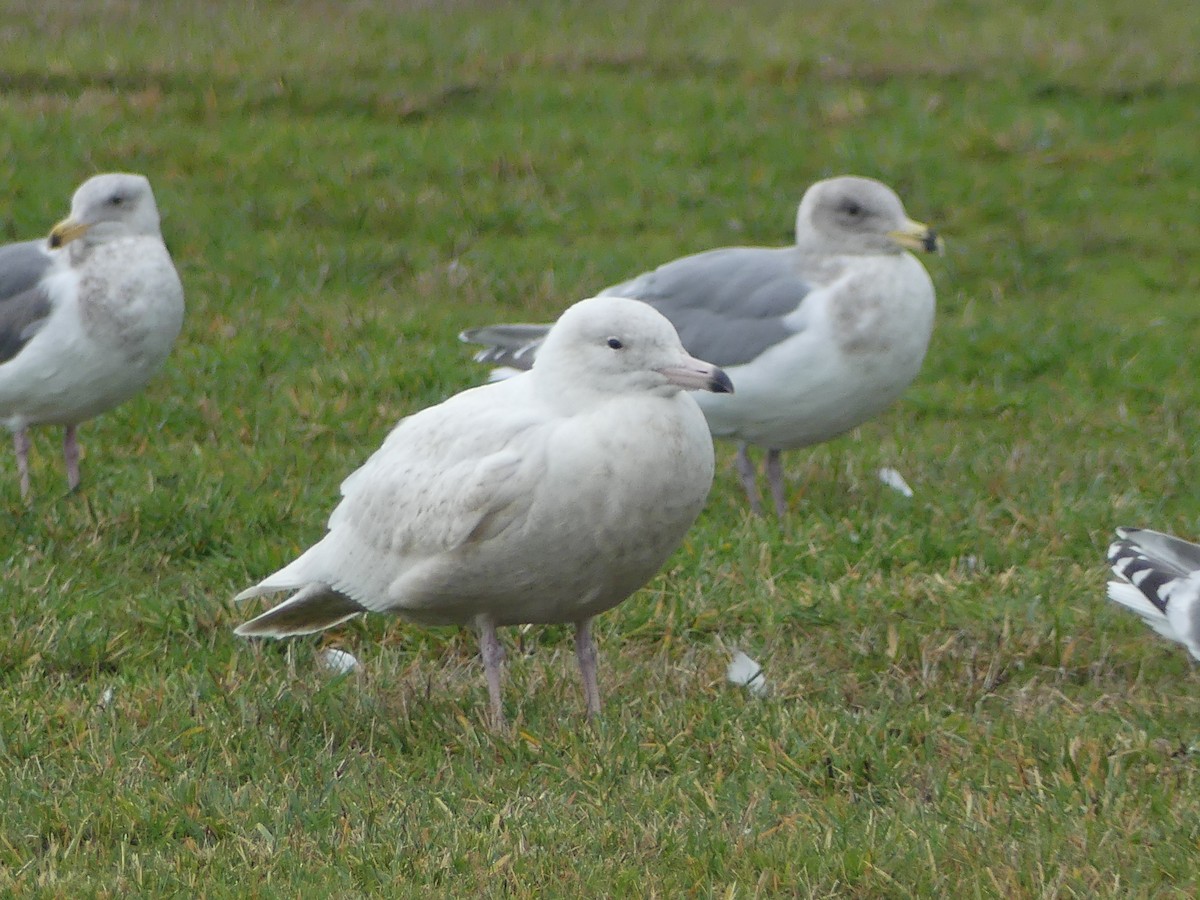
pixel 1160 581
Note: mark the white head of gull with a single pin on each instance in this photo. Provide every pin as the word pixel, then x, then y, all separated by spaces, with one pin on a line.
pixel 549 497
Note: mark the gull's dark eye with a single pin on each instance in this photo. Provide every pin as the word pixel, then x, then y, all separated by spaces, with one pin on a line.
pixel 116 200
pixel 615 343
pixel 852 208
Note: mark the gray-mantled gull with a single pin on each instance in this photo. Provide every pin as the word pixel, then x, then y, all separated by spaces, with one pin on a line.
pixel 1160 581
pixel 818 337
pixel 87 316
pixel 548 497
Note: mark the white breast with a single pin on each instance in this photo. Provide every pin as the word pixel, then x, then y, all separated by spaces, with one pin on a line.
pixel 863 342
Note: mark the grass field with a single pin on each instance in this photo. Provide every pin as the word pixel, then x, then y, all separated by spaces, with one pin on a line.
pixel 956 709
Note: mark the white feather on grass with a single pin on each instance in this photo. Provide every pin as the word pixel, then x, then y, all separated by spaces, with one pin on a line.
pixel 895 481
pixel 337 662
pixel 746 672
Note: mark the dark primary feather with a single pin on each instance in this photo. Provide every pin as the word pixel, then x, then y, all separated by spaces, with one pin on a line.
pixel 1180 557
pixel 1151 560
pixel 1161 568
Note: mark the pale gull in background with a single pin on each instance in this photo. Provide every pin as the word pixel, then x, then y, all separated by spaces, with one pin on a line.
pixel 1160 581
pixel 87 317
pixel 548 497
pixel 818 337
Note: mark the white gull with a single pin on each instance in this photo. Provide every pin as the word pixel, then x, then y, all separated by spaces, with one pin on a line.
pixel 548 497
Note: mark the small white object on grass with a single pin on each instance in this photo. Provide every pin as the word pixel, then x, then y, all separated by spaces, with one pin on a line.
pixel 895 481
pixel 748 673
pixel 106 698
pixel 1160 581
pixel 337 662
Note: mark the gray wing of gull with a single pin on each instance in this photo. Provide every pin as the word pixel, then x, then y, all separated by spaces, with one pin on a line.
pixel 730 305
pixel 22 266
pixel 24 305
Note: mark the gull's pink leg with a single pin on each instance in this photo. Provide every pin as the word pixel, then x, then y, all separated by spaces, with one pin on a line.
pixel 492 654
pixel 71 457
pixel 21 445
pixel 775 479
pixel 745 470
pixel 585 652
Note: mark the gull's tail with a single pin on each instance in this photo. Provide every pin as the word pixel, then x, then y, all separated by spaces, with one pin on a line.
pixel 314 607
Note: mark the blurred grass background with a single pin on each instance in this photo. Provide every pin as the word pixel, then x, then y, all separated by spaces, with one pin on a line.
pixel 345 186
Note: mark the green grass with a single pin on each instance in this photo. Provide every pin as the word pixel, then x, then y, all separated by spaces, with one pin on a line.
pixel 956 709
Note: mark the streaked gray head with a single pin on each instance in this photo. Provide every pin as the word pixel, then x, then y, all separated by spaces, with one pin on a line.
pixel 614 345
pixel 109 206
pixel 859 216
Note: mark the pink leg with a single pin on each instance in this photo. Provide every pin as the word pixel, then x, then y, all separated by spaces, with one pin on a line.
pixel 775 480
pixel 585 652
pixel 71 457
pixel 745 470
pixel 492 654
pixel 21 444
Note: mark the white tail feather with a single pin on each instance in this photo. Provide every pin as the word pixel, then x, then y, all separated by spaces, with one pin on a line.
pixel 1131 598
pixel 313 608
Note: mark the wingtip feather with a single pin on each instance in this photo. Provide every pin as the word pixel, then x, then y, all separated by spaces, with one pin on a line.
pixel 1125 594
